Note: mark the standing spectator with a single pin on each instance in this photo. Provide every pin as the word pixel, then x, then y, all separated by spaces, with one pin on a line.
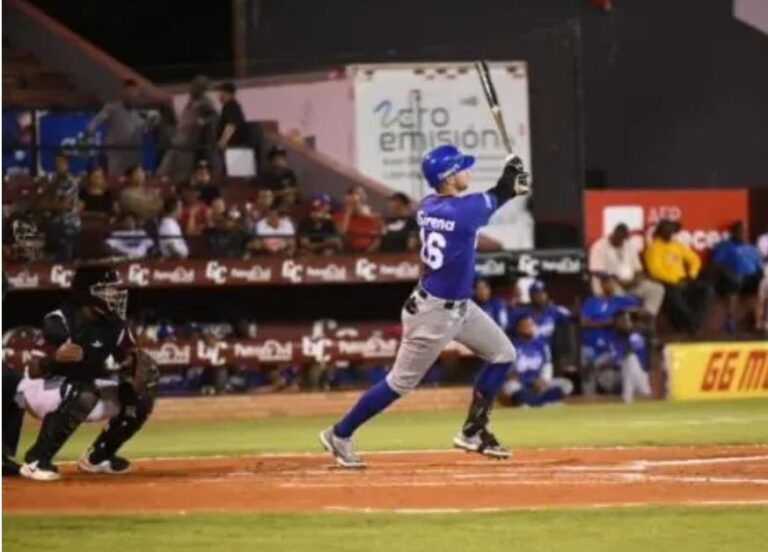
pixel 279 177
pixel 172 244
pixel 124 129
pixel 137 199
pixel 677 266
pixel 95 195
pixel 493 306
pixel 761 310
pixel 202 179
pixel 401 233
pixel 232 131
pixel 359 228
pixel 275 233
pixel 317 232
pixel 129 240
pixel 193 138
pixel 738 269
pixel 616 255
pixel 60 210
pixel 195 214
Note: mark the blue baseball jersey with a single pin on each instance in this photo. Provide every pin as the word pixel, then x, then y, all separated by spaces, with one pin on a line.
pixel 448 227
pixel 532 356
pixel 545 318
pixel 603 309
pixel 496 309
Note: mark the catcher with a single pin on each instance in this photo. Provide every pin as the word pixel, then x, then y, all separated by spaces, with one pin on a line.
pixel 87 368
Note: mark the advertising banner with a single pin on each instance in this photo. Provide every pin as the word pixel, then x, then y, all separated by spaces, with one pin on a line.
pixel 717 370
pixel 704 214
pixel 402 111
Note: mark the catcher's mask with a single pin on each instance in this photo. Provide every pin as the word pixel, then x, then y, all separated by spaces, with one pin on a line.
pixel 100 286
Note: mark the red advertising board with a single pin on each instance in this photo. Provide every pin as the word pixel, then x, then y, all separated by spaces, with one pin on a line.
pixel 704 214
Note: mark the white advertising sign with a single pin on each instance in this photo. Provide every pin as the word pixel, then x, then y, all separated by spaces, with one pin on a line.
pixel 402 111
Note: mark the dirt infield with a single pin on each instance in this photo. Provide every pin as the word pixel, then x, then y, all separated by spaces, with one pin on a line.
pixel 411 481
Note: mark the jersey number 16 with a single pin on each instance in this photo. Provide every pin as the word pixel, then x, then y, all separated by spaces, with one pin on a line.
pixel 432 246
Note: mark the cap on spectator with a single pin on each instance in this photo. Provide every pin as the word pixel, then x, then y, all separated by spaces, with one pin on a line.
pixel 276 150
pixel 537 287
pixel 323 198
pixel 228 87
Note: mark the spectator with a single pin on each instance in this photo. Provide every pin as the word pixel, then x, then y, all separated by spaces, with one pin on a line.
pixel 232 131
pixel 124 129
pixel 129 240
pixel 401 233
pixel 492 306
pixel 616 255
pixel 59 207
pixel 275 233
pixel 279 177
pixel 195 214
pixel 761 310
pixel 138 200
pixel 265 199
pixel 530 381
pixel 359 228
pixel 227 238
pixel 95 195
pixel 676 265
pixel 203 181
pixel 194 136
pixel 317 232
pixel 738 269
pixel 172 244
pixel 762 245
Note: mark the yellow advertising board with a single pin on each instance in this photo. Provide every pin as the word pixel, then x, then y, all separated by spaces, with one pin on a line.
pixel 717 370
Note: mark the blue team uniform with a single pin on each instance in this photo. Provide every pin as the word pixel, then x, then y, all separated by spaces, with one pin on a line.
pixel 448 230
pixel 532 357
pixel 597 341
pixel 496 309
pixel 545 319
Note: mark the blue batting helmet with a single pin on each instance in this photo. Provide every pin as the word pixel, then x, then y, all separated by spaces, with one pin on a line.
pixel 444 161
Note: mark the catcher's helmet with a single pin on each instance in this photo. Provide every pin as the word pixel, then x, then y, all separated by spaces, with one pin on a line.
pixel 100 286
pixel 444 161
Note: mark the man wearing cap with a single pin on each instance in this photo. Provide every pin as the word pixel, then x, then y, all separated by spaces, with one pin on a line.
pixel 317 232
pixel 279 177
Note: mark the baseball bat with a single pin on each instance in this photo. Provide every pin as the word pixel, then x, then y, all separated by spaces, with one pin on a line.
pixel 489 89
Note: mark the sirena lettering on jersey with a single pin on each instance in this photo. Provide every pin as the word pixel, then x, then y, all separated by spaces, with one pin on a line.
pixel 435 223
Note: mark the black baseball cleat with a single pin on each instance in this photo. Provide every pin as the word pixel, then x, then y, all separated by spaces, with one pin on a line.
pixel 11 468
pixel 114 465
pixel 483 442
pixel 40 470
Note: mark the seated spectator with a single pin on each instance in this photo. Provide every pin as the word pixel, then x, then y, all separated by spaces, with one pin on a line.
pixel 227 237
pixel 279 177
pixel 492 306
pixel 359 228
pixel 546 315
pixel 615 254
pixel 738 269
pixel 138 200
pixel 530 381
pixel 609 339
pixel 265 199
pixel 761 311
pixel 172 244
pixel 317 232
pixel 95 195
pixel 677 266
pixel 59 209
pixel 195 214
pixel 275 233
pixel 202 180
pixel 401 233
pixel 128 240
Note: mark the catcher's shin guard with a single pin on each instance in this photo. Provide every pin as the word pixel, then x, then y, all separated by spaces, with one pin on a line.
pixel 479 413
pixel 80 397
pixel 13 415
pixel 134 412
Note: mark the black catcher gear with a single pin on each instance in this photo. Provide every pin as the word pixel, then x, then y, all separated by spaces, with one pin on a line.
pixel 100 286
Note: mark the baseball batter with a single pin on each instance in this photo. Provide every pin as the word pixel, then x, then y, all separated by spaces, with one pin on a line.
pixel 440 310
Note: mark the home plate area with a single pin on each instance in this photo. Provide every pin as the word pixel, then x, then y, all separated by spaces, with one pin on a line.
pixel 412 482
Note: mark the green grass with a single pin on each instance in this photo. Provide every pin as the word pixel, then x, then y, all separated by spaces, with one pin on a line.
pixel 658 423
pixel 743 529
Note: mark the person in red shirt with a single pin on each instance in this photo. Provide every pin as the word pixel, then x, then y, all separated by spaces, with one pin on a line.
pixel 195 214
pixel 358 226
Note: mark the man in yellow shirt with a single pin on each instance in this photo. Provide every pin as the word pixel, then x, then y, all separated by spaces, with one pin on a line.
pixel 677 266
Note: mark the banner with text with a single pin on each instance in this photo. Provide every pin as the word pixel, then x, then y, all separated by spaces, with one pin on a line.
pixel 717 370
pixel 402 111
